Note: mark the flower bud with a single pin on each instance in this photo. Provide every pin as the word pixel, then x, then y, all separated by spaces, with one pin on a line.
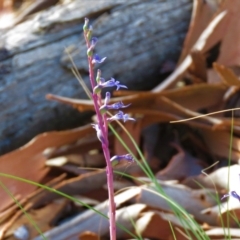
pixel 90 52
pixel 85 26
pixel 89 33
pixel 98 78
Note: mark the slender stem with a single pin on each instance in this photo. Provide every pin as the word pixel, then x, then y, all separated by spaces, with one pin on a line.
pixel 102 122
pixel 112 208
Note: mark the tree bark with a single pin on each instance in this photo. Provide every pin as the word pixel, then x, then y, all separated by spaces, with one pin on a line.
pixel 140 39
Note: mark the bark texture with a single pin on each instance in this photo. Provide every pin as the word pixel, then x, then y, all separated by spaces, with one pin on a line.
pixel 140 38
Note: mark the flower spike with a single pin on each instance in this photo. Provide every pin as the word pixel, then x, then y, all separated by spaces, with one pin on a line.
pixel 94 42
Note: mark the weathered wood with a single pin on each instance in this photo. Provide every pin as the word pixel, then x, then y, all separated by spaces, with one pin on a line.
pixel 138 37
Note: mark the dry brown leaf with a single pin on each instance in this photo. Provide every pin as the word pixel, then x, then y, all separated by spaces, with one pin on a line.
pixel 73 162
pixel 227 75
pixel 220 233
pixel 226 177
pixel 28 161
pixel 45 218
pixel 229 213
pixel 194 201
pixel 152 225
pixel 147 224
pixel 181 166
pixel 85 183
pixel 85 144
pixel 218 143
pixel 201 15
pixel 174 108
pixel 11 215
pixel 80 104
pixel 230 50
pixel 89 236
pixel 92 221
pixel 196 97
pixel 1 5
pixel 197 182
pixel 209 37
pixel 24 166
pixel 9 220
pixel 10 211
pixel 198 68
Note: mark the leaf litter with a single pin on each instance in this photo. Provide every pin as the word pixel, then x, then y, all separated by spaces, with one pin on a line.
pixel 72 161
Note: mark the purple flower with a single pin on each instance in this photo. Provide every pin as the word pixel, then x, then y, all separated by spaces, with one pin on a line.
pixel 231 194
pixel 114 106
pixel 107 97
pixel 110 83
pixel 93 42
pixel 105 107
pixel 117 158
pixel 121 116
pixel 118 105
pixel 99 133
pixel 97 59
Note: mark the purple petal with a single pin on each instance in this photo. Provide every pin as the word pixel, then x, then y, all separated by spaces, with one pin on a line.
pixel 97 59
pixel 231 194
pixel 121 116
pixel 94 41
pixel 107 98
pixel 99 133
pixel 117 105
pixel 127 118
pixel 117 158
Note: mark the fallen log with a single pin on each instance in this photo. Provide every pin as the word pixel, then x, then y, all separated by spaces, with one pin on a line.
pixel 140 38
